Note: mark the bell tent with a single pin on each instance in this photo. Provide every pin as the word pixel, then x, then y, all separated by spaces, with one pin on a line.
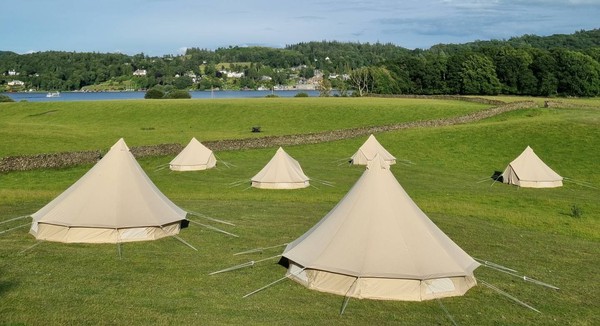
pixel 193 157
pixel 368 150
pixel 113 202
pixel 282 172
pixel 529 171
pixel 377 244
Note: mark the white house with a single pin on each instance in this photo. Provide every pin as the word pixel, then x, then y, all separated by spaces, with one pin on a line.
pixel 16 83
pixel 232 74
pixel 140 72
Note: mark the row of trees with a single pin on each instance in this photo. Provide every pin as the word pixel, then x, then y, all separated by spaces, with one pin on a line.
pixel 563 65
pixel 487 71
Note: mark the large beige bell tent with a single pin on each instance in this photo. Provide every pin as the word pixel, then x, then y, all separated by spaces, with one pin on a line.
pixel 113 202
pixel 194 157
pixel 377 244
pixel 282 172
pixel 368 150
pixel 528 170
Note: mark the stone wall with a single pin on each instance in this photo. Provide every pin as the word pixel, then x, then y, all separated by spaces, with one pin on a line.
pixel 61 160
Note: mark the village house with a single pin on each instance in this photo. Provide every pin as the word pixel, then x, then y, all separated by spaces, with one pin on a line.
pixel 140 72
pixel 232 74
pixel 16 83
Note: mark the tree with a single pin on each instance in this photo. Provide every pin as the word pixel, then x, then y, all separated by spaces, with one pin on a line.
pixel 183 82
pixel 324 87
pixel 478 76
pixel 361 80
pixel 383 82
pixel 5 98
pixel 178 94
pixel 578 74
pixel 512 69
pixel 154 93
pixel 544 69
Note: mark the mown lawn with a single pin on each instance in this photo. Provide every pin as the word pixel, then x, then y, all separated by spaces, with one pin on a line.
pixel 445 170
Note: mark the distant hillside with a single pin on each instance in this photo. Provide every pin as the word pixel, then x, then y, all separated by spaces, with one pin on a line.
pixel 525 65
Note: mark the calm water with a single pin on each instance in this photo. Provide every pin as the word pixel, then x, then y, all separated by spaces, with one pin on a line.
pixel 100 96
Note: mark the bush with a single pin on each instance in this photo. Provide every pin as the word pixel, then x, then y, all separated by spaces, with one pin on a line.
pixel 178 94
pixel 271 96
pixel 154 93
pixel 5 98
pixel 301 94
pixel 575 211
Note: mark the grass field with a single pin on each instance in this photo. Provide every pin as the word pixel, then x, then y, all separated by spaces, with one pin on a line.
pixel 67 126
pixel 166 283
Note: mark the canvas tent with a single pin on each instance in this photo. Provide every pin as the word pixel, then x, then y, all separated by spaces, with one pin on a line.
pixel 282 172
pixel 368 150
pixel 193 157
pixel 528 170
pixel 377 244
pixel 113 202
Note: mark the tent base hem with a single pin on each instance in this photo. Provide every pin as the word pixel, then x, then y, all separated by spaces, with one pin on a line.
pixel 381 288
pixel 65 234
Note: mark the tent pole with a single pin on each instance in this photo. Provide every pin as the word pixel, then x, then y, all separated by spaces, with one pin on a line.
pixel 508 295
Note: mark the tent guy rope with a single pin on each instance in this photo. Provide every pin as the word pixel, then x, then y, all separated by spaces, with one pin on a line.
pixel 243 265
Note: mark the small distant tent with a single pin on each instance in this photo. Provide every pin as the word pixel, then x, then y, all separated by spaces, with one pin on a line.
pixel 529 171
pixel 377 244
pixel 282 172
pixel 113 202
pixel 193 157
pixel 368 150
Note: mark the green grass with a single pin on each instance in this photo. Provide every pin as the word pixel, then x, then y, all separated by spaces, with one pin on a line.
pixel 164 282
pixel 69 126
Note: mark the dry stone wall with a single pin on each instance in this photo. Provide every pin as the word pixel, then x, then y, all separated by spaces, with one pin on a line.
pixel 62 160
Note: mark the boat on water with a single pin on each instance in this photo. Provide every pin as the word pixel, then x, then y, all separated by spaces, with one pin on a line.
pixel 53 94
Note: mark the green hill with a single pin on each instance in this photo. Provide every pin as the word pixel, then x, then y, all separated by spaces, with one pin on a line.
pixel 446 170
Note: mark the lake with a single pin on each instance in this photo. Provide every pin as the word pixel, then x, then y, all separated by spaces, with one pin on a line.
pixel 101 96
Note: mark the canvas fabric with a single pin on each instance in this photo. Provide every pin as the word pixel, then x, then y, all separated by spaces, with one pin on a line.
pixel 194 157
pixel 115 195
pixel 529 171
pixel 368 150
pixel 282 172
pixel 378 235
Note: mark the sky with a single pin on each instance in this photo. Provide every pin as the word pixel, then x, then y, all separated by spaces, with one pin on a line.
pixel 162 27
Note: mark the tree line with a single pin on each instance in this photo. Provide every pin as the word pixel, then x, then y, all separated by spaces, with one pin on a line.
pixel 557 65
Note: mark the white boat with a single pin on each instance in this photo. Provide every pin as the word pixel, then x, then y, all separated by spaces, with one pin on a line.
pixel 53 94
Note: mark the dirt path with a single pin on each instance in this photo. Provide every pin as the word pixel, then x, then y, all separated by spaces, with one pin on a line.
pixel 61 160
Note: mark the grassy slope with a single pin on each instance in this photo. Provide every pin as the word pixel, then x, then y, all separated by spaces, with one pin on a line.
pixel 66 126
pixel 164 282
